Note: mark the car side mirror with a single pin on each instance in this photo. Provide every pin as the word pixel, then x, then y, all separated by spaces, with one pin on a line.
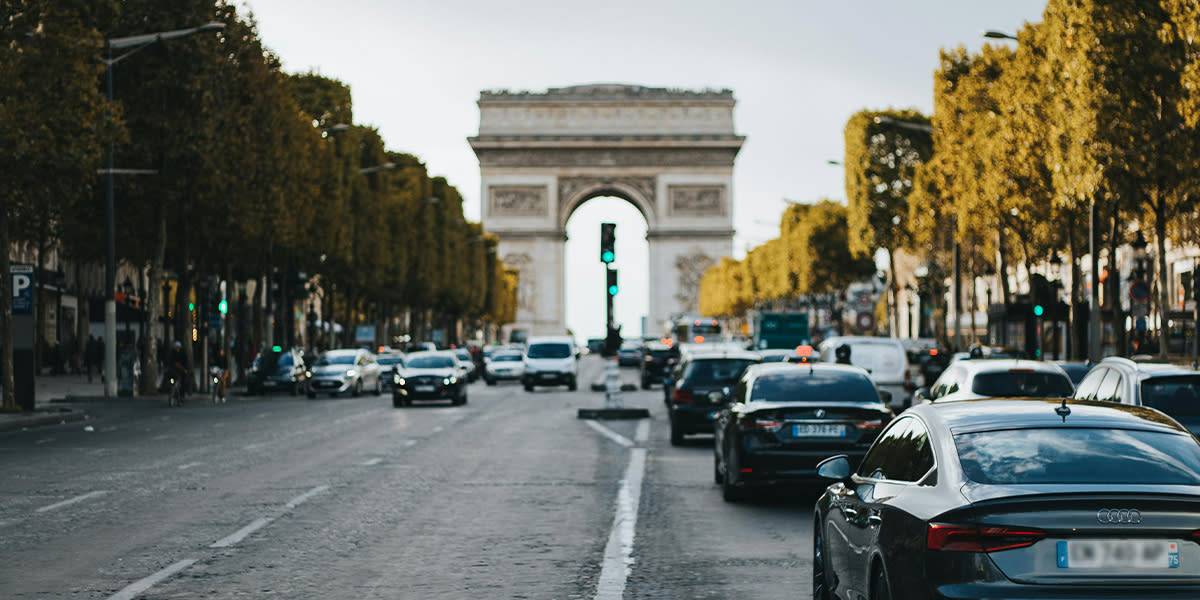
pixel 886 396
pixel 836 468
pixel 921 395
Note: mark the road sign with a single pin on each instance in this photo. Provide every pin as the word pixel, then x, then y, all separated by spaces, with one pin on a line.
pixel 865 321
pixel 1139 291
pixel 22 289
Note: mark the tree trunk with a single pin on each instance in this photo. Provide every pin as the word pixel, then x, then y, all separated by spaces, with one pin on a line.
pixel 1076 319
pixel 9 403
pixel 1160 238
pixel 41 345
pixel 894 296
pixel 1120 341
pixel 154 304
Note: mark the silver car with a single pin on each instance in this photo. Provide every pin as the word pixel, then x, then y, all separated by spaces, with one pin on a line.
pixel 349 370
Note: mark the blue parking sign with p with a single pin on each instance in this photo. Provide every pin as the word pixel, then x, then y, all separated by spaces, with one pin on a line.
pixel 22 290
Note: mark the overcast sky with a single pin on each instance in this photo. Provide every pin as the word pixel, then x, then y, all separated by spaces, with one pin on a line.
pixel 798 70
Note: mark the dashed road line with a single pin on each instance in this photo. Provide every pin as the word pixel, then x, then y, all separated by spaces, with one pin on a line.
pixel 242 533
pixel 618 552
pixel 643 432
pixel 302 498
pixel 410 443
pixel 372 462
pixel 188 466
pixel 132 590
pixel 71 501
pixel 610 434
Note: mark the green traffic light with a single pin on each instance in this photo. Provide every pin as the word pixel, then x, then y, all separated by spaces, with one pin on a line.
pixel 607 256
pixel 612 290
pixel 1038 310
pixel 191 306
pixel 223 306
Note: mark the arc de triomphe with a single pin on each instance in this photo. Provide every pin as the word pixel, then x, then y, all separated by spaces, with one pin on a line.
pixel 670 153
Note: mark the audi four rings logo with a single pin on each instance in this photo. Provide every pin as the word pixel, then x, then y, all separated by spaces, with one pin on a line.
pixel 1122 516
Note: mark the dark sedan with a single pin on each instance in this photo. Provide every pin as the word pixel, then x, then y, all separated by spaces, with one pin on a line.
pixel 784 419
pixel 276 370
pixel 429 376
pixel 657 360
pixel 1014 498
pixel 705 380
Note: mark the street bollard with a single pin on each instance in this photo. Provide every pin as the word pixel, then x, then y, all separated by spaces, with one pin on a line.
pixel 612 385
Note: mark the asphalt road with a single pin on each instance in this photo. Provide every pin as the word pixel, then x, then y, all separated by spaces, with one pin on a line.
pixel 509 496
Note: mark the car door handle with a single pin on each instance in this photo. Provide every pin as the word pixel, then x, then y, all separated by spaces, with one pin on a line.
pixel 874 520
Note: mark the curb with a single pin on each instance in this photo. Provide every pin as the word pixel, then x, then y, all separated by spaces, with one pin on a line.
pixel 41 418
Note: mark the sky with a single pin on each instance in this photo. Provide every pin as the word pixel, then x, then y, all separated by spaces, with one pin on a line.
pixel 798 70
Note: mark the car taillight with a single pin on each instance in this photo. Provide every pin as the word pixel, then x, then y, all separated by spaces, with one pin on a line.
pixel 971 538
pixel 752 423
pixel 871 424
pixel 683 396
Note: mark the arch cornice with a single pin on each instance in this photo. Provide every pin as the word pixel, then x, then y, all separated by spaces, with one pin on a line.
pixel 574 191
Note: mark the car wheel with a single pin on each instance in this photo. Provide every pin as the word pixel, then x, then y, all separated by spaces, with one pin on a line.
pixel 880 589
pixel 378 386
pixel 311 394
pixel 295 389
pixel 490 381
pixel 820 580
pixel 529 387
pixel 357 389
pixel 718 478
pixel 397 402
pixel 645 384
pixel 462 398
pixel 572 385
pixel 676 434
pixel 729 492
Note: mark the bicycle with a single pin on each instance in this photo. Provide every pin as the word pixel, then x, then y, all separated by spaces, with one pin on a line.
pixel 176 389
pixel 218 384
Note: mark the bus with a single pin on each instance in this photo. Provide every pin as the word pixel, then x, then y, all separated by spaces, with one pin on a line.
pixel 696 330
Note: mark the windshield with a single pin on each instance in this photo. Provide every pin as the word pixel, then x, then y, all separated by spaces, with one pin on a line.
pixel 391 360
pixel 506 358
pixel 1022 383
pixel 549 351
pixel 337 359
pixel 1177 396
pixel 816 387
pixel 878 359
pixel 1079 456
pixel 719 371
pixel 431 362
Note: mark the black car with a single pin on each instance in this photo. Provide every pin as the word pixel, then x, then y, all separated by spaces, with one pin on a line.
pixel 1014 498
pixel 629 354
pixel 429 376
pixel 390 363
pixel 277 370
pixel 699 388
pixel 784 419
pixel 657 360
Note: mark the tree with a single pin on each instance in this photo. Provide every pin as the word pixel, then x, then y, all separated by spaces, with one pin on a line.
pixel 52 125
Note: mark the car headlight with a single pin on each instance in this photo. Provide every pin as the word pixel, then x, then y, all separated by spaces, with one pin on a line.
pixel 397 379
pixel 450 381
pixel 308 374
pixel 351 373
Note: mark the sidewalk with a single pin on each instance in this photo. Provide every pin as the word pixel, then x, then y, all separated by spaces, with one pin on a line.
pixel 51 393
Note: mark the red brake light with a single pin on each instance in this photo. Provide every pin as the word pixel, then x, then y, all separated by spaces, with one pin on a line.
pixel 970 538
pixel 683 396
pixel 699 339
pixel 760 423
pixel 933 352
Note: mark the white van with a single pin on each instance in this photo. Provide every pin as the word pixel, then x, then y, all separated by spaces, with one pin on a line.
pixel 883 358
pixel 550 361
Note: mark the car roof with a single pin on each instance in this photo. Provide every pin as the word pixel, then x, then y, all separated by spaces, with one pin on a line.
pixel 343 351
pixel 990 414
pixel 999 365
pixel 719 354
pixel 420 353
pixel 772 368
pixel 860 339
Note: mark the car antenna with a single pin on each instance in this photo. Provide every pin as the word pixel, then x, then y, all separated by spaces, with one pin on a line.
pixel 1063 410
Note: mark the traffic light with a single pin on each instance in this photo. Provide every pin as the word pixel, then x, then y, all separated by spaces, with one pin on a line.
pixel 1038 310
pixel 612 282
pixel 608 240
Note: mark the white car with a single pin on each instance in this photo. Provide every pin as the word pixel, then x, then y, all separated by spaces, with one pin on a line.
pixel 339 371
pixel 998 378
pixel 550 361
pixel 883 358
pixel 504 364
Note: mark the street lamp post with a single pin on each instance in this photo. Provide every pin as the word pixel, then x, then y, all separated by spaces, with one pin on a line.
pixel 133 44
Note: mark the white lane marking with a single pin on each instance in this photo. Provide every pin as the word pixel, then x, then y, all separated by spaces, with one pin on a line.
pixel 241 534
pixel 189 465
pixel 160 437
pixel 618 553
pixel 643 432
pixel 439 429
pixel 44 441
pixel 302 498
pixel 410 443
pixel 252 446
pixel 70 501
pixel 610 434
pixel 372 462
pixel 134 589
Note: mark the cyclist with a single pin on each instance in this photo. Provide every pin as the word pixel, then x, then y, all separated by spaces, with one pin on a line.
pixel 176 367
pixel 220 373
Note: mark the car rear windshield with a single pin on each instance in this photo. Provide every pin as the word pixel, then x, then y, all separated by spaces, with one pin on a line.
pixel 816 387
pixel 339 359
pixel 431 362
pixel 720 370
pixel 879 359
pixel 1079 456
pixel 1177 396
pixel 390 360
pixel 506 358
pixel 1036 384
pixel 549 351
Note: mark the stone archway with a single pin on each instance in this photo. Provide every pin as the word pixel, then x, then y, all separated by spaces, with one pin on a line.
pixel 670 153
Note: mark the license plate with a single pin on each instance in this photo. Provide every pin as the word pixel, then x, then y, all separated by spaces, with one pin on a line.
pixel 806 431
pixel 423 388
pixel 1111 554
